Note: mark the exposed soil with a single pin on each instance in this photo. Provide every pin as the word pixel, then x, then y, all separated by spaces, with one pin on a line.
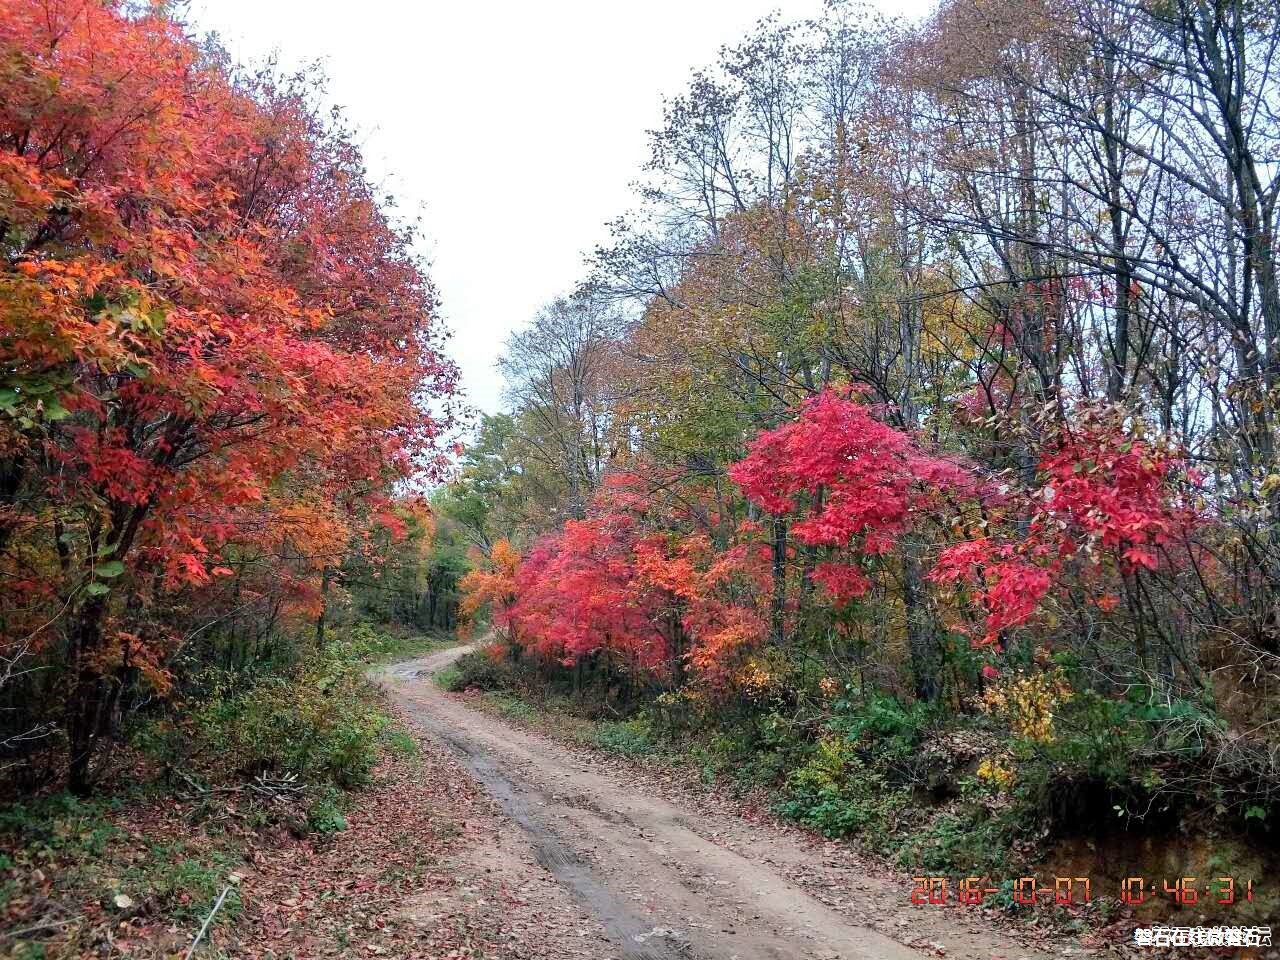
pixel 660 877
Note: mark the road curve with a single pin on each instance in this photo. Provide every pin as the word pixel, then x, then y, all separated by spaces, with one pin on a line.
pixel 661 888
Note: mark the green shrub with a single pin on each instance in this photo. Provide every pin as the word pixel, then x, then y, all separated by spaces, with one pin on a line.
pixel 373 643
pixel 678 713
pixel 325 814
pixel 475 670
pixel 758 750
pixel 400 743
pixel 317 725
pixel 511 706
pixel 7 886
pixel 973 841
pixel 836 793
pixel 883 725
pixel 1106 738
pixel 1107 753
pixel 631 738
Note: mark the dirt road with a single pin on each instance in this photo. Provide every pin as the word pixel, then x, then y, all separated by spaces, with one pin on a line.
pixel 666 882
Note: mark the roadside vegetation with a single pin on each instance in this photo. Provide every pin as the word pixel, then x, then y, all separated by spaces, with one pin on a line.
pixel 218 353
pixel 202 799
pixel 911 449
pixel 910 785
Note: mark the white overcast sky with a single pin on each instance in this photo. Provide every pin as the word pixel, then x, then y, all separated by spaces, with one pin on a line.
pixel 513 128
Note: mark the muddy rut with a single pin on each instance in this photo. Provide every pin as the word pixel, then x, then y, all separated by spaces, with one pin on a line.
pixel 665 884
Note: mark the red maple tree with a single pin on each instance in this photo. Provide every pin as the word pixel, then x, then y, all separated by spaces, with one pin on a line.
pixel 212 333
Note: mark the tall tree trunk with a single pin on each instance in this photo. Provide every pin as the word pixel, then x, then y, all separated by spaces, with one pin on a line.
pixel 1118 376
pixel 922 641
pixel 778 605
pixel 87 700
pixel 322 618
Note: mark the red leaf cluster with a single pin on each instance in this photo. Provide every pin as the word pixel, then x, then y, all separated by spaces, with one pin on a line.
pixel 858 483
pixel 633 581
pixel 210 332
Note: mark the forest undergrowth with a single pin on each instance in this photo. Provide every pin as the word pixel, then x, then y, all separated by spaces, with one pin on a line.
pixel 913 787
pixel 205 806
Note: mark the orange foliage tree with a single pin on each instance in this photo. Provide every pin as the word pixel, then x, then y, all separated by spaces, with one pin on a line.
pixel 636 584
pixel 490 585
pixel 212 340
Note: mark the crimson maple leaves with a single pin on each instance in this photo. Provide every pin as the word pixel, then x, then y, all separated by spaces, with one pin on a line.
pixel 857 483
pixel 215 342
pixel 1109 505
pixel 665 595
pixel 613 583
